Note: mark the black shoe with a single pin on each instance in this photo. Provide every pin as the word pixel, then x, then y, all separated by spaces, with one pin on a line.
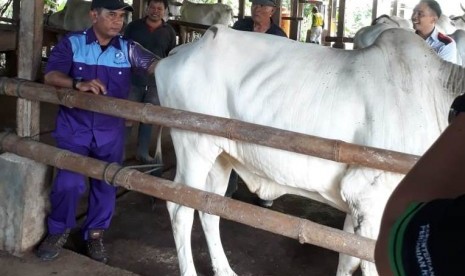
pixel 94 246
pixel 51 246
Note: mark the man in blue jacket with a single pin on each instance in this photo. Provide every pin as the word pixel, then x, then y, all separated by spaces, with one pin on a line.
pixel 97 60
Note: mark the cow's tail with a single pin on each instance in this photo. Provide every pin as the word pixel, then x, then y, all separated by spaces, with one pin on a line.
pixel 158 152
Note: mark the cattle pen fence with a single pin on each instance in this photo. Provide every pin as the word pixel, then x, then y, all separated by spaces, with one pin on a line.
pixel 305 231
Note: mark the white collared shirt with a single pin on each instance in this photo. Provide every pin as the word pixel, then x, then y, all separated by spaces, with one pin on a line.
pixel 447 51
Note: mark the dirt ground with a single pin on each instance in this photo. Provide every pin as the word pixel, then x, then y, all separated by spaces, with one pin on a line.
pixel 140 238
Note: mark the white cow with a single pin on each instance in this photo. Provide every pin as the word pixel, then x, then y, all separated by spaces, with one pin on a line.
pixel 73 17
pixel 174 9
pixel 394 95
pixel 367 35
pixel 205 14
pixel 393 20
pixel 445 25
pixel 459 21
pixel 459 37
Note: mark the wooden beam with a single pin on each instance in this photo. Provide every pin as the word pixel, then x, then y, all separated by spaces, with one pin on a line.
pixel 374 10
pixel 295 24
pixel 29 62
pixel 329 20
pixel 241 13
pixel 16 6
pixel 340 25
pixel 395 10
pixel 139 9
pixel 8 41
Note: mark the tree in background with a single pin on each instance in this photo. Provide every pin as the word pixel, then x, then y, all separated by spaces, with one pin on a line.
pixel 360 16
pixel 6 7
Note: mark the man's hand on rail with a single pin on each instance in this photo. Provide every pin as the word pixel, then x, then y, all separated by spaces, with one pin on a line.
pixel 57 78
pixel 95 86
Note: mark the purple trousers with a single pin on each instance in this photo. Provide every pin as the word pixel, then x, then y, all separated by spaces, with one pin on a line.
pixel 69 186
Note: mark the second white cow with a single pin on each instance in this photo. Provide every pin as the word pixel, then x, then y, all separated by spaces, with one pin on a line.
pixel 205 14
pixel 394 95
pixel 73 17
pixel 368 34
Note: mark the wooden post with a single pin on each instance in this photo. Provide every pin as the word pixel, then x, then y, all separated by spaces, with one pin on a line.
pixel 139 7
pixel 29 60
pixel 395 7
pixel 340 25
pixel 374 11
pixel 295 24
pixel 329 20
pixel 241 13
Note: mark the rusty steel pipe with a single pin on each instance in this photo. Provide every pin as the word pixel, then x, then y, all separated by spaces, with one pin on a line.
pixel 334 150
pixel 305 231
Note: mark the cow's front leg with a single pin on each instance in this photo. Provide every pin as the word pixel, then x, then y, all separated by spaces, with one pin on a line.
pixel 347 264
pixel 211 228
pixel 182 218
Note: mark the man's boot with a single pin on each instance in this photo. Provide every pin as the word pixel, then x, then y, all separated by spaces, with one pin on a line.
pixel 51 246
pixel 94 246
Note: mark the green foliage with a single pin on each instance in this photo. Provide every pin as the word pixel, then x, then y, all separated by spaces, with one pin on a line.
pixel 360 17
pixel 50 5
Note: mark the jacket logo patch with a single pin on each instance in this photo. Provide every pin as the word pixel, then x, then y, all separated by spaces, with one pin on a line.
pixel 119 57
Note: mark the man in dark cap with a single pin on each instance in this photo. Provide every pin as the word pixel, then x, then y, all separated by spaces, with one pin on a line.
pixel 261 21
pixel 424 18
pixel 97 60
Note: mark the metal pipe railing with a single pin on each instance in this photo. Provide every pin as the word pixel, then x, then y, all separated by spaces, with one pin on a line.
pixel 305 231
pixel 334 150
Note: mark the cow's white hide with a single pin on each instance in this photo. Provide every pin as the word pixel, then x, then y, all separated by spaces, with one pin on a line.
pixel 459 22
pixel 459 37
pixel 445 25
pixel 395 95
pixel 205 14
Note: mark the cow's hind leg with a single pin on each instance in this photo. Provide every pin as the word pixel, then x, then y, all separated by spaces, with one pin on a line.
pixel 217 182
pixel 347 264
pixel 194 161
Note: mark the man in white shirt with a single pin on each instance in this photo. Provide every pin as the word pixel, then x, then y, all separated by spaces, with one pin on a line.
pixel 424 18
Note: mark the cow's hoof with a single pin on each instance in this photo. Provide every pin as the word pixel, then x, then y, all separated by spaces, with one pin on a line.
pixel 265 203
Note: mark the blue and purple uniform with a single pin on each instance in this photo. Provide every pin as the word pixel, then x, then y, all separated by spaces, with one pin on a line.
pixel 100 136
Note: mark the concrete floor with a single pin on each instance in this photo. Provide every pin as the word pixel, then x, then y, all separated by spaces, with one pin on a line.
pixel 140 238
